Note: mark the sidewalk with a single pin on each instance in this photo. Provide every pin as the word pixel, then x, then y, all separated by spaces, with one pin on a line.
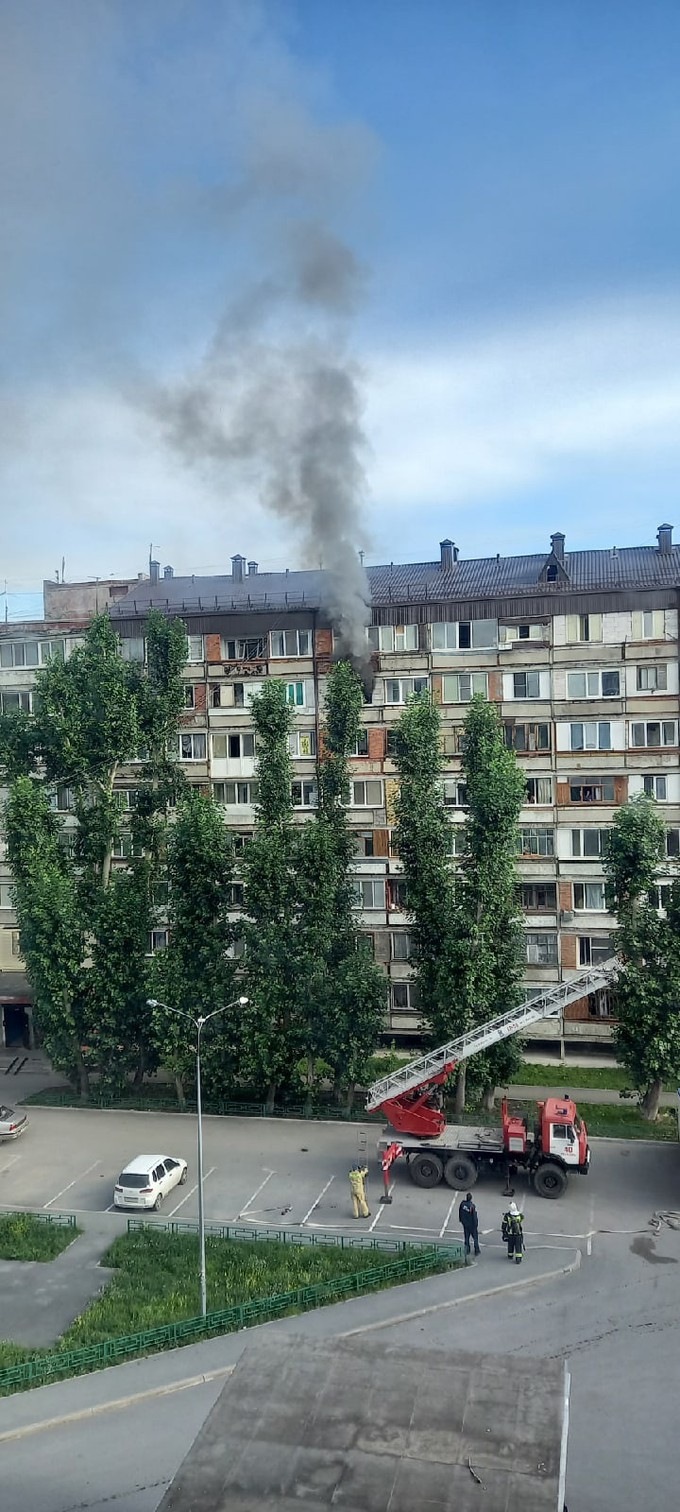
pixel 43 1297
pixel 83 1396
pixel 579 1094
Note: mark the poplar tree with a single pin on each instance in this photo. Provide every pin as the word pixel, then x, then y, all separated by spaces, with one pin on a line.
pixel 648 946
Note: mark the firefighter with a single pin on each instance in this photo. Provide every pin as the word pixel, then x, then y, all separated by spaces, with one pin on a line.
pixel 467 1216
pixel 357 1186
pixel 512 1233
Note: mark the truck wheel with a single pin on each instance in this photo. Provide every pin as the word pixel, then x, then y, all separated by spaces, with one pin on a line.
pixel 460 1172
pixel 426 1170
pixel 550 1180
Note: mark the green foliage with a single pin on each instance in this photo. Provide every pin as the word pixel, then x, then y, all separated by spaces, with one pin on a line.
pixel 120 1040
pixel 195 973
pixel 648 990
pixel 23 1237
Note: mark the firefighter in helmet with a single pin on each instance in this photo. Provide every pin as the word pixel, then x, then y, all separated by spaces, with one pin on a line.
pixel 357 1186
pixel 512 1232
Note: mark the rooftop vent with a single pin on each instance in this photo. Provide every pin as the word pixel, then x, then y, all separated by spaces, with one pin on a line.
pixel 154 571
pixel 557 546
pixel 252 569
pixel 449 555
pixel 168 572
pixel 237 565
pixel 664 536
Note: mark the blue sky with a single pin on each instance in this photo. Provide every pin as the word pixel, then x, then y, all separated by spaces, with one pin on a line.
pixel 506 174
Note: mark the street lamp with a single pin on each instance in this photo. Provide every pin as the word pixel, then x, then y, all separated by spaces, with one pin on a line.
pixel 198 1023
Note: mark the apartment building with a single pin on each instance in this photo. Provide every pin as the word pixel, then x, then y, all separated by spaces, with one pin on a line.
pixel 578 650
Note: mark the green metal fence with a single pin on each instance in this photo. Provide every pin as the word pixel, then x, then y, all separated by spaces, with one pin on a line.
pixel 51 1367
pixel 300 1237
pixel 60 1220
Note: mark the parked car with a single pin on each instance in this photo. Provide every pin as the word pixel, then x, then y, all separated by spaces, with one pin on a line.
pixel 12 1124
pixel 147 1179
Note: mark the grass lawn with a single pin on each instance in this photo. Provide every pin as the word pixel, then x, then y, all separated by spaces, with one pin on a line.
pixel 562 1074
pixel 156 1282
pixel 23 1237
pixel 620 1122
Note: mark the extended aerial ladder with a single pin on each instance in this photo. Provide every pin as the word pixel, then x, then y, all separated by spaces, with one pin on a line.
pixel 409 1098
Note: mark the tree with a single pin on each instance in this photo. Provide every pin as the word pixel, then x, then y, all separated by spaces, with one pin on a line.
pixel 423 843
pixel 274 1019
pixel 93 714
pixel 344 994
pixel 490 933
pixel 648 946
pixel 195 972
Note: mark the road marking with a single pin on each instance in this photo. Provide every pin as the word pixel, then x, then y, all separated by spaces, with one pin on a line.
pixel 256 1193
pixel 9 1165
pixel 380 1211
pixel 316 1201
pixel 589 1246
pixel 411 1228
pixel 445 1224
pixel 127 1401
pixel 190 1193
pixel 73 1183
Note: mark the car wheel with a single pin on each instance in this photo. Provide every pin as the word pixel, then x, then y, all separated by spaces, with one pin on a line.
pixel 426 1170
pixel 460 1172
pixel 183 1177
pixel 158 1203
pixel 550 1180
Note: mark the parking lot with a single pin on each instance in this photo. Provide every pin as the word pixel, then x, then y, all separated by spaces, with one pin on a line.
pixel 272 1173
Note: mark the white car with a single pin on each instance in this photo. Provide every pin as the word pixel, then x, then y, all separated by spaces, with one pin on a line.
pixel 12 1124
pixel 148 1179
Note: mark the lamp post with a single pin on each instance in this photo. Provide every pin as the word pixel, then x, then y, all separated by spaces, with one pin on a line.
pixel 198 1023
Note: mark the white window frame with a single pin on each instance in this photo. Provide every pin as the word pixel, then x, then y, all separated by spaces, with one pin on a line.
pixel 593 737
pixel 403 953
pixel 652 678
pixel 463 635
pixel 588 956
pixel 286 645
pixel 406 688
pixel 584 892
pixel 133 648
pixel 158 941
pixel 304 793
pixel 583 628
pixel 656 786
pixel 370 888
pixel 537 782
pixel 579 842
pixel 461 687
pixel 509 635
pixel 393 639
pixel 410 991
pixel 244 792
pixel 5 895
pixel 195 649
pixel 298 738
pixel 593 683
pixel 541 942
pixel 12 700
pixel 664 726
pixel 454 793
pixel 194 737
pixel 360 792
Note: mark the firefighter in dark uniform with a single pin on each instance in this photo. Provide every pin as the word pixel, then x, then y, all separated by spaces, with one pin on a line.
pixel 513 1233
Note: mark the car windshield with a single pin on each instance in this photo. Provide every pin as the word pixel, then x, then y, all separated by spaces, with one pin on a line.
pixel 134 1179
pixel 6 1112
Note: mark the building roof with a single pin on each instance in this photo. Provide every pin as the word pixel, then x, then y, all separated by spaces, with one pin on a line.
pixel 631 567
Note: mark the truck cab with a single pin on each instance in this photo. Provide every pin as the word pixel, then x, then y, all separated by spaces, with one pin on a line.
pixel 561 1135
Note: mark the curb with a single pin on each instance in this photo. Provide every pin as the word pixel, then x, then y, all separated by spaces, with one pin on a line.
pixel 126 1401
pixel 489 1291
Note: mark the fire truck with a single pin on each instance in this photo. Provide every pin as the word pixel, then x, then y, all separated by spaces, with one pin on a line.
pixel 411 1100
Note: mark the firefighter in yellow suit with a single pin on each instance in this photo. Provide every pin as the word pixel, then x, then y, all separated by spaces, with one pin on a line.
pixel 357 1186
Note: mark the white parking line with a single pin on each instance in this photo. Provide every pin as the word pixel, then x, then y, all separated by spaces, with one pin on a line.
pixel 256 1193
pixel 445 1224
pixel 316 1201
pixel 10 1163
pixel 73 1183
pixel 190 1193
pixel 380 1211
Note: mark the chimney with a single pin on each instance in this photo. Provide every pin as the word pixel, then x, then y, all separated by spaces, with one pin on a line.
pixel 154 571
pixel 664 536
pixel 168 572
pixel 252 569
pixel 557 545
pixel 237 565
pixel 449 555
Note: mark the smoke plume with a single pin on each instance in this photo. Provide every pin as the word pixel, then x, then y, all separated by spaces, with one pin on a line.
pixel 277 397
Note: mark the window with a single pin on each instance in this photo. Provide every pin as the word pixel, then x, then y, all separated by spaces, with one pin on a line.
pixel 652 679
pixel 461 686
pixel 392 744
pixel 291 643
pixel 673 844
pixel 17 699
pixel 656 787
pixel 596 684
pixel 304 793
pixel 593 735
pixel 455 793
pixel 189 696
pixel 125 799
pixel 453 740
pixel 18 654
pixel 195 648
pixel 584 627
pixel 216 695
pixel 592 790
pixel 235 792
pixel 295 694
pixel 539 790
pixel 589 897
pixel 456 840
pixel 400 945
pixel 159 894
pixel 527 737
pixel 405 996
pixel 398 897
pixel 158 940
pixel 390 638
pixel 125 845
pixel 589 842
pixel 648 625
pixel 363 843
pixel 593 950
pixel 369 894
pixel 248 648
pixel 654 732
pixel 541 949
pixel 132 648
pixel 399 689
pixel 536 842
pixel 61 800
pixel 6 900
pixel 526 685
pixel 660 894
pixel 508 634
pixel 538 897
pixel 193 747
pixel 303 743
pixel 233 747
pixel 235 895
pixel 15 942
pixel 240 839
pixel 361 745
pixel 237 950
pixel 463 635
pixel 368 793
